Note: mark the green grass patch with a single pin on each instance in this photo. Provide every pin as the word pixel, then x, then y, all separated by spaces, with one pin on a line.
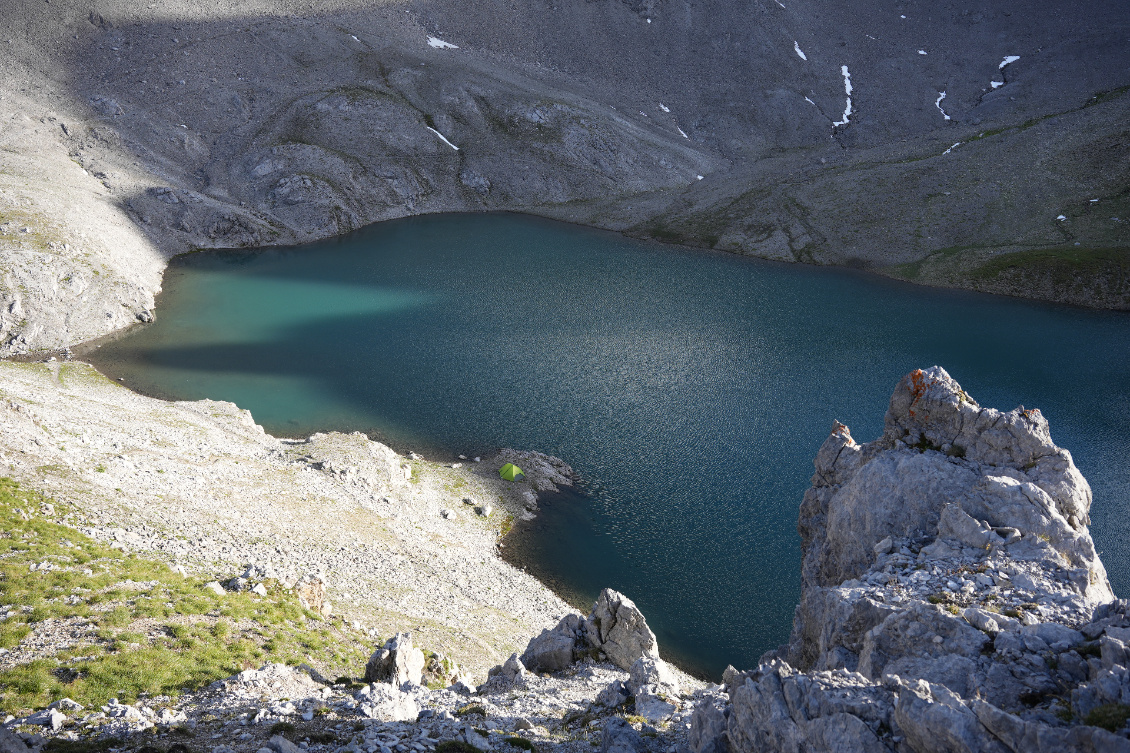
pixel 153 631
pixel 456 746
pixel 471 708
pixel 1109 716
pixel 1062 266
pixel 58 745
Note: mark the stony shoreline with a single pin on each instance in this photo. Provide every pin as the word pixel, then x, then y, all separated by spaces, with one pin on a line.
pixel 952 601
pixel 200 485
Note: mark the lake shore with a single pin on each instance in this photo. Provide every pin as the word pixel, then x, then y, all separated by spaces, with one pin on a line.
pixel 201 486
pixel 134 133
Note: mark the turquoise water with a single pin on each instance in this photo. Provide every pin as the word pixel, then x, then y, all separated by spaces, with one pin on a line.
pixel 690 390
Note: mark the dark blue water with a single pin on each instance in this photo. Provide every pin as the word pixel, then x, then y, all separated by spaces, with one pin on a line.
pixel 690 390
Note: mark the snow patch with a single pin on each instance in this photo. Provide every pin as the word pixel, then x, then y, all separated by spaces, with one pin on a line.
pixel 1061 218
pixel 1009 59
pixel 354 37
pixel 902 16
pixel 996 84
pixel 780 3
pixel 649 20
pixel 847 90
pixel 681 133
pixel 442 138
pixel 1094 200
pixel 698 177
pixel 955 146
pixel 799 51
pixel 664 107
pixel 809 101
pixel 938 104
pixel 439 44
pixel 922 52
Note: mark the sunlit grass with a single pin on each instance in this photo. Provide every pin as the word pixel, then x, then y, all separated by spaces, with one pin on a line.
pixel 152 631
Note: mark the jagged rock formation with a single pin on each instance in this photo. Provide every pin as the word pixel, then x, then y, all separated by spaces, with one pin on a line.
pixel 615 629
pixel 952 598
pixel 398 663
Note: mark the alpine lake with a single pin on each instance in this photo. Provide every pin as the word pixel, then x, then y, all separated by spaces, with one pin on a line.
pixel 690 390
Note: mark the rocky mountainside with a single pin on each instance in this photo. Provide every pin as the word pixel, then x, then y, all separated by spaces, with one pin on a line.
pixel 975 147
pixel 952 599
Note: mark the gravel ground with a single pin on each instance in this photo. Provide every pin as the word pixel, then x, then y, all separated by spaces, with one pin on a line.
pixel 245 713
pixel 201 486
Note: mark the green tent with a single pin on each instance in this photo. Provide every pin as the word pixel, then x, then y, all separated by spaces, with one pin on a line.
pixel 511 472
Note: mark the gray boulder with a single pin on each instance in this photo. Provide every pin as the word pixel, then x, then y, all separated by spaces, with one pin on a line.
pixel 777 708
pixel 10 742
pixel 619 737
pixel 648 670
pixel 708 725
pixel 279 744
pixel 935 720
pixel 397 662
pixel 1021 736
pixel 615 694
pixel 619 629
pixel 655 688
pixel 49 717
pixel 553 650
pixel 511 671
pixel 387 703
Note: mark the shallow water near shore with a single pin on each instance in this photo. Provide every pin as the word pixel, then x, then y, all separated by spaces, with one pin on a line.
pixel 690 390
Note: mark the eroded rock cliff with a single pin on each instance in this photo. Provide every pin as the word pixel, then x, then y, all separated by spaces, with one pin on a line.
pixel 952 598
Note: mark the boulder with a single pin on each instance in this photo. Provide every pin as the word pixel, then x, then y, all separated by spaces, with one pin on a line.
pixel 553 650
pixel 387 703
pixel 512 671
pixel 398 662
pixel 653 706
pixel 49 717
pixel 619 737
pixel 648 670
pixel 655 688
pixel 614 695
pixel 462 687
pixel 708 725
pixel 476 740
pixel 279 744
pixel 619 629
pixel 10 742
pixel 311 592
pixel 215 587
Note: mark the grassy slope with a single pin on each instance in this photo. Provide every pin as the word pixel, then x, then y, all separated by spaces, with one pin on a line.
pixel 152 632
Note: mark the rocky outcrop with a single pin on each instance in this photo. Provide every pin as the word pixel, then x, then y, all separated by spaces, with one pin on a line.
pixel 311 592
pixel 398 663
pixel 619 629
pixel 952 598
pixel 655 689
pixel 554 650
pixel 387 703
pixel 617 632
pixel 615 629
